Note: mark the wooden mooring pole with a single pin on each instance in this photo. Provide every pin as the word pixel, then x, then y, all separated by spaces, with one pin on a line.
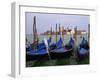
pixel 75 44
pixel 59 30
pixel 35 35
pixel 89 33
pixel 51 33
pixel 63 32
pixel 56 34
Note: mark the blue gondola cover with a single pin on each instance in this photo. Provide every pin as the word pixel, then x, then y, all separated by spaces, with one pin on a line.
pixel 38 52
pixel 59 43
pixel 83 47
pixel 83 51
pixel 71 42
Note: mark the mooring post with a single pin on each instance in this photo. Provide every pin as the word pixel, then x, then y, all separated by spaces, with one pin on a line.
pixel 75 44
pixel 33 29
pixel 89 33
pixel 59 30
pixel 56 33
pixel 51 33
pixel 63 34
pixel 35 35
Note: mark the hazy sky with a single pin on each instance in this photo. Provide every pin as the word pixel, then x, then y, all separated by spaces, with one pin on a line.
pixel 45 21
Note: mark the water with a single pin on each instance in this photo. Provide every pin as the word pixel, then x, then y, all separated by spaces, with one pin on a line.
pixel 56 62
pixel 66 38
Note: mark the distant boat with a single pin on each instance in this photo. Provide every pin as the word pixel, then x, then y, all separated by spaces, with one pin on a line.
pixel 83 49
pixel 62 51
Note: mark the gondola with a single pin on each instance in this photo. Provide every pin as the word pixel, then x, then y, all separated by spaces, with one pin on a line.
pixel 37 55
pixel 62 51
pixel 83 49
pixel 38 46
pixel 39 52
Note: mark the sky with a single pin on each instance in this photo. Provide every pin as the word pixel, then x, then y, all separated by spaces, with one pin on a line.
pixel 45 21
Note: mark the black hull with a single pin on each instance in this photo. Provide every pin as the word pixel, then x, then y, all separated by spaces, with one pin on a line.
pixel 56 55
pixel 36 57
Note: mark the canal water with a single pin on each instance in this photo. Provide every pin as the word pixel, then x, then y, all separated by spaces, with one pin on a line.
pixel 56 62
